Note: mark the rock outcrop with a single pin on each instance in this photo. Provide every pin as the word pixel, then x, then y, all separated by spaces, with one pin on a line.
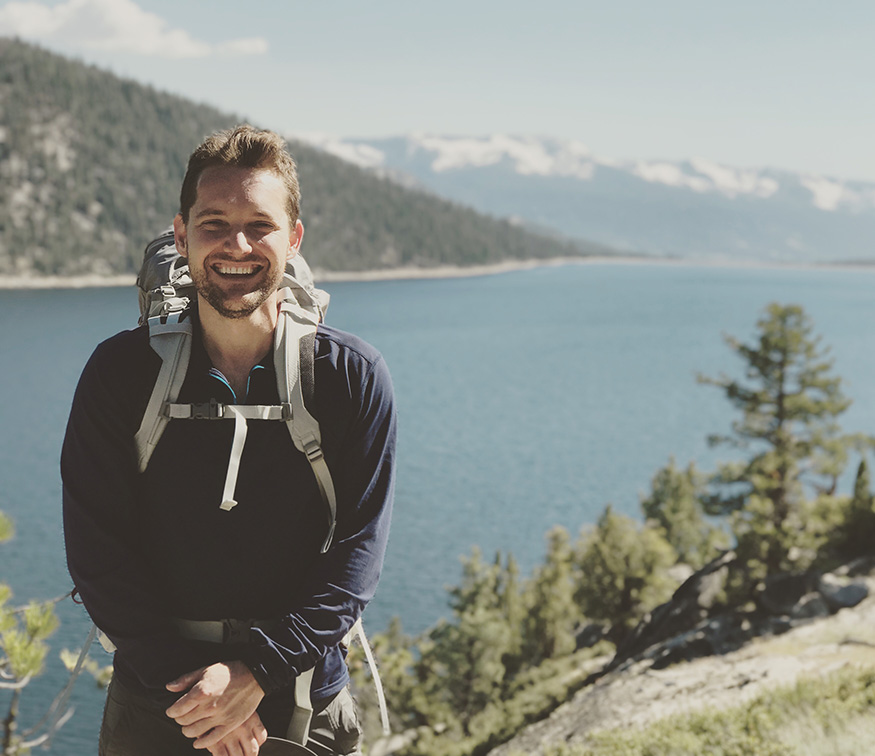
pixel 809 624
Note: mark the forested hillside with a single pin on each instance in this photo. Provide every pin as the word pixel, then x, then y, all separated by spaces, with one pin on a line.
pixel 90 167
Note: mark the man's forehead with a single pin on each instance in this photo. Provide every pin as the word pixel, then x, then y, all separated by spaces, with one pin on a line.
pixel 219 186
pixel 239 175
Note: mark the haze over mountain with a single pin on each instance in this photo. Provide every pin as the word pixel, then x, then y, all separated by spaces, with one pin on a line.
pixel 91 164
pixel 693 209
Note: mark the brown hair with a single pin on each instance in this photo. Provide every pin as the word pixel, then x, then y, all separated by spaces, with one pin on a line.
pixel 242 147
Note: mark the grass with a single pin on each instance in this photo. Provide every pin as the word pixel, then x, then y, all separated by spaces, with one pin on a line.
pixel 818 716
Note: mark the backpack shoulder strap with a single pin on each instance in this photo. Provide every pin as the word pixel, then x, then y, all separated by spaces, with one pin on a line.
pixel 170 338
pixel 293 361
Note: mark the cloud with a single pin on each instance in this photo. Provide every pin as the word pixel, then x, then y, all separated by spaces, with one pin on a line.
pixel 113 26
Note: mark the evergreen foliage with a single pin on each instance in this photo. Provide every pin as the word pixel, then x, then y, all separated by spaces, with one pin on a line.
pixel 623 572
pixel 552 614
pixel 855 534
pixel 675 505
pixel 23 650
pixel 788 430
pixel 508 654
pixel 91 167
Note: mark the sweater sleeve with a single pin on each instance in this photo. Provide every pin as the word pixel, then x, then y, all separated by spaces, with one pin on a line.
pixel 343 580
pixel 98 468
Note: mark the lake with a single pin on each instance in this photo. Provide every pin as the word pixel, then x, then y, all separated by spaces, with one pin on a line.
pixel 526 399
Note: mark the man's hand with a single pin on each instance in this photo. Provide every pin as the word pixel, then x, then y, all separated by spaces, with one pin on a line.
pixel 244 741
pixel 219 700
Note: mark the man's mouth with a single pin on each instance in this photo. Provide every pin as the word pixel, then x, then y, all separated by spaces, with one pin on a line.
pixel 236 269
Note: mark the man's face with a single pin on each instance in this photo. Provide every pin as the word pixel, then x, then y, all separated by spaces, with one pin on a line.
pixel 238 239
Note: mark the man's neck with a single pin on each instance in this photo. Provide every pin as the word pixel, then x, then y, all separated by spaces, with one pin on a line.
pixel 236 345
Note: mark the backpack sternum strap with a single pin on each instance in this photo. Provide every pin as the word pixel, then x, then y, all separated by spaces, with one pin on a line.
pixel 293 345
pixel 214 410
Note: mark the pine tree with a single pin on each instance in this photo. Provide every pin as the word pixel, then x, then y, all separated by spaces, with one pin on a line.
pixel 553 614
pixel 789 403
pixel 674 504
pixel 622 567
pixel 23 650
pixel 462 662
pixel 855 536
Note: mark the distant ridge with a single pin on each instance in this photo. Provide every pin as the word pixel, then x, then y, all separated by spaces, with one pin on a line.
pixel 90 167
pixel 694 209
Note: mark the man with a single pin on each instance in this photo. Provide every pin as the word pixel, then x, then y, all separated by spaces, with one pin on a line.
pixel 151 551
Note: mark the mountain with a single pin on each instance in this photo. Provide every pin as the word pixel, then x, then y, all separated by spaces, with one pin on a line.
pixel 91 164
pixel 694 209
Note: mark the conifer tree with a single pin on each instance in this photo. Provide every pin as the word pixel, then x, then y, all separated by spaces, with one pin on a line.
pixel 674 504
pixel 464 660
pixel 855 536
pixel 553 614
pixel 622 567
pixel 789 404
pixel 514 610
pixel 23 650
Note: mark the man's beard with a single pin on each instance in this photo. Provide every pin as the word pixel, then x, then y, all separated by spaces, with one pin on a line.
pixel 243 306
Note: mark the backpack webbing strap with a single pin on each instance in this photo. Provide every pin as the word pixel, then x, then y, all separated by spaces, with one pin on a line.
pixel 219 411
pixel 240 431
pixel 295 326
pixel 302 714
pixel 170 338
pixel 358 631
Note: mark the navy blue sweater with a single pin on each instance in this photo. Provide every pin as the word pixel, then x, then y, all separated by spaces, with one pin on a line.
pixel 143 549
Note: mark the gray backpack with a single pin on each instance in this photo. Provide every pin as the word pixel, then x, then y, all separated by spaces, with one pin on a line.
pixel 165 291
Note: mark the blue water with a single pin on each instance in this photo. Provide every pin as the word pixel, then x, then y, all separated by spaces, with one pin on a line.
pixel 526 399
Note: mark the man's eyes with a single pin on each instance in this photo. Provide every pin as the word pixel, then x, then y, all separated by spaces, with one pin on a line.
pixel 261 227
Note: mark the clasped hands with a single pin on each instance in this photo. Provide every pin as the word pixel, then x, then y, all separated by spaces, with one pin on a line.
pixel 218 709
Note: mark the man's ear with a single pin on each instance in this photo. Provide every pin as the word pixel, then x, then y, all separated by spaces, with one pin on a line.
pixel 295 239
pixel 179 235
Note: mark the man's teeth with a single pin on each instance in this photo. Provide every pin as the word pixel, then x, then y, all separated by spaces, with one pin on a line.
pixel 236 270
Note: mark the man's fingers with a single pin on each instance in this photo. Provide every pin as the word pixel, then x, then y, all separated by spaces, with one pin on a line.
pixel 244 740
pixel 203 730
pixel 220 749
pixel 185 681
pixel 207 739
pixel 185 710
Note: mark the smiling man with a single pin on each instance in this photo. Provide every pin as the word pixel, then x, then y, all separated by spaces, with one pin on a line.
pixel 157 562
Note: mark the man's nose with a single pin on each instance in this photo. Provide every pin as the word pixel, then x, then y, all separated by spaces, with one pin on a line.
pixel 238 243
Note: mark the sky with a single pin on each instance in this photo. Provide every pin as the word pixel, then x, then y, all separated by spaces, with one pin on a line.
pixel 769 83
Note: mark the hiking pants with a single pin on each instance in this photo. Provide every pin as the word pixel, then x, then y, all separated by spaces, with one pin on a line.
pixel 134 725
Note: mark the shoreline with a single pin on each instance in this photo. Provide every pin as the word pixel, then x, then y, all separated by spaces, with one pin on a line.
pixel 12 283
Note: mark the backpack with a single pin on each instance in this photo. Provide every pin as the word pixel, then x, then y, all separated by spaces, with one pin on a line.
pixel 165 291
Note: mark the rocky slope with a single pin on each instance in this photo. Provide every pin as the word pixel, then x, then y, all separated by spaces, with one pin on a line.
pixel 803 638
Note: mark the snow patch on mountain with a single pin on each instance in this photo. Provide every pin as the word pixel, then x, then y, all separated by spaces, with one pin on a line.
pixel 733 181
pixel 670 174
pixel 358 153
pixel 707 176
pixel 528 155
pixel 830 194
pixel 533 156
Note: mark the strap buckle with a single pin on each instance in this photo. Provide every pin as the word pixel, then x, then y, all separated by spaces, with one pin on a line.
pixel 210 410
pixel 313 450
